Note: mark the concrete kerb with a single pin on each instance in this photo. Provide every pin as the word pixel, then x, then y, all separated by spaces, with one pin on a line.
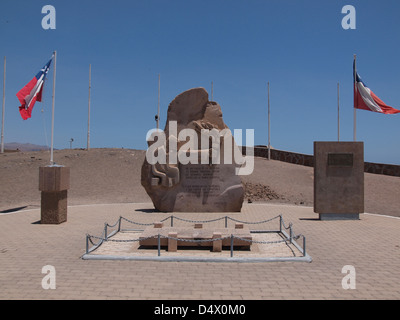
pixel 305 258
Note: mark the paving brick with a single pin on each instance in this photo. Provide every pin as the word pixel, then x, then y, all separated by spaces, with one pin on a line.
pixel 368 244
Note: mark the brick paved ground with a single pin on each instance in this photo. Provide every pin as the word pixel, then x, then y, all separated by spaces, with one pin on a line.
pixel 371 245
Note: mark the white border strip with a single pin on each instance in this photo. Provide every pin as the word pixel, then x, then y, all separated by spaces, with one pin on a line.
pixel 381 215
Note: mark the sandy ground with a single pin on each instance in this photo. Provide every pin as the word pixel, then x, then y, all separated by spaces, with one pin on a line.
pixel 113 176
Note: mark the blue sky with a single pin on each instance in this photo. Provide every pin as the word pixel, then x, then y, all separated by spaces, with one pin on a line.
pixel 299 46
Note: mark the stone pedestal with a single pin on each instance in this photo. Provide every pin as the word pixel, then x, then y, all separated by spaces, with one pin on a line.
pixel 53 183
pixel 217 244
pixel 172 243
pixel 338 180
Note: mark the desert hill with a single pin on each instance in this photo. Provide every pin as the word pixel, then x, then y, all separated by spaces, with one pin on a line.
pixel 15 146
pixel 113 176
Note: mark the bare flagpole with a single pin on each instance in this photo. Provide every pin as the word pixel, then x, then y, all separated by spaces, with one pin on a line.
pixel 4 104
pixel 338 113
pixel 269 127
pixel 158 106
pixel 354 106
pixel 88 130
pixel 52 109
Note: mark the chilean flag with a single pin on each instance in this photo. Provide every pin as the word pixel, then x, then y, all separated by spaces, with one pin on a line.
pixel 32 92
pixel 365 99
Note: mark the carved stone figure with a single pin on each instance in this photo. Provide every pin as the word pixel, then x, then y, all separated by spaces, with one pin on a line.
pixel 195 169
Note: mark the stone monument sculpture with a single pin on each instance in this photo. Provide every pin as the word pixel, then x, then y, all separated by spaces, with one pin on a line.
pixel 193 165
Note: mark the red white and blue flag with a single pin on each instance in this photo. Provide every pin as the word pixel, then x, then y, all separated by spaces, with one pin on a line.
pixel 365 99
pixel 32 92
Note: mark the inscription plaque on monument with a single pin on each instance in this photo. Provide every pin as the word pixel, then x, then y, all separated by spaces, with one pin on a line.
pixel 340 159
pixel 209 181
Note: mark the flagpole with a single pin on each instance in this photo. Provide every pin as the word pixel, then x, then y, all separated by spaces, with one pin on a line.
pixel 4 104
pixel 338 113
pixel 52 109
pixel 158 106
pixel 354 106
pixel 88 130
pixel 269 127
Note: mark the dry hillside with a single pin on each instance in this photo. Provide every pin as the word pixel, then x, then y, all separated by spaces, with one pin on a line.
pixel 113 175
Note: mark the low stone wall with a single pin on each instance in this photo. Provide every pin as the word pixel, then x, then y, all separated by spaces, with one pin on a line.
pixel 379 168
pixel 308 160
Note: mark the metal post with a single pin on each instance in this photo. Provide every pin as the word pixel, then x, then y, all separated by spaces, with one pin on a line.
pixel 172 221
pixel 119 224
pixel 304 246
pixel 231 245
pixel 158 245
pixel 52 110
pixel 280 223
pixel 4 103
pixel 87 243
pixel 158 107
pixel 105 231
pixel 354 106
pixel 291 233
pixel 90 86
pixel 226 221
pixel 355 125
pixel 269 127
pixel 338 113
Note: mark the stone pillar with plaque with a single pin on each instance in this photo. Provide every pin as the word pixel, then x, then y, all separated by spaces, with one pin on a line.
pixel 338 180
pixel 54 185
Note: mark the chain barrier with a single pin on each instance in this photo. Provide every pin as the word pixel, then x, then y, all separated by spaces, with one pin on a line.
pixel 195 240
pixel 121 240
pixel 141 224
pixel 198 221
pixel 112 226
pixel 104 237
pixel 89 237
pixel 190 240
pixel 283 224
pixel 165 219
pixel 257 222
pixel 262 242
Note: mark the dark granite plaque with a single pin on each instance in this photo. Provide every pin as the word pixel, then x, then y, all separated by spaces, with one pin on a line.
pixel 340 159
